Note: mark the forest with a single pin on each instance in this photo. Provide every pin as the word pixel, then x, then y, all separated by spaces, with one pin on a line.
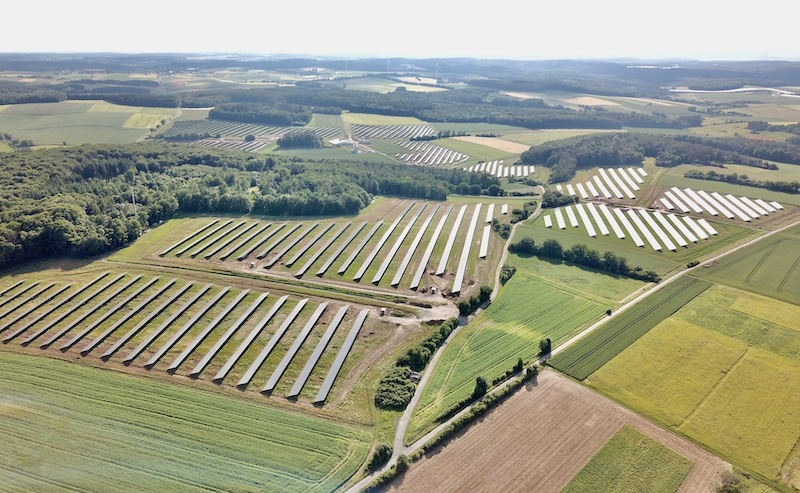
pixel 78 201
pixel 626 149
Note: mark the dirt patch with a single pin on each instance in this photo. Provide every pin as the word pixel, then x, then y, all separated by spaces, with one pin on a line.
pixel 590 101
pixel 539 439
pixel 495 143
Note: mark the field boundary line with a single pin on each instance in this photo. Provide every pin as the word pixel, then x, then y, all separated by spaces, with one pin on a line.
pixel 715 387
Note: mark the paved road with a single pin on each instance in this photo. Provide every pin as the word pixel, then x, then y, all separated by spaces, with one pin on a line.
pixel 403 423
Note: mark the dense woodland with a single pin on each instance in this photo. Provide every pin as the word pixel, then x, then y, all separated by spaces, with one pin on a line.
pixel 78 201
pixel 626 149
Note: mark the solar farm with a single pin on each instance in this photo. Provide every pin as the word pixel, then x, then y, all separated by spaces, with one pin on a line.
pixel 223 334
pixel 412 246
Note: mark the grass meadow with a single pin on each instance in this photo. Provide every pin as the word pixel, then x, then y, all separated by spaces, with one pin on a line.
pixel 69 426
pixel 725 371
pixel 631 462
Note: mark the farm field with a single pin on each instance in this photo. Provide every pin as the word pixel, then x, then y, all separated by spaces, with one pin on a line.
pixel 240 130
pixel 79 428
pixel 80 122
pixel 477 152
pixel 552 413
pixel 536 137
pixel 631 462
pixel 370 119
pixel 510 328
pixel 769 267
pixel 590 353
pixel 728 383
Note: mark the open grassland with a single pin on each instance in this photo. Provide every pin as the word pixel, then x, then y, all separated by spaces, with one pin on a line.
pixel 477 152
pixel 80 122
pixel 528 310
pixel 321 120
pixel 534 138
pixel 370 119
pixel 724 376
pixel 768 267
pixel 543 436
pixel 480 128
pixel 494 143
pixel 630 463
pixel 596 349
pixel 70 427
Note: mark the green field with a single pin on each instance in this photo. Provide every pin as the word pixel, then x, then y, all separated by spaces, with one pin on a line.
pixel 80 122
pixel 596 349
pixel 724 370
pixel 477 152
pixel 768 267
pixel 66 426
pixel 510 328
pixel 631 462
pixel 369 119
pixel 536 137
pixel 320 120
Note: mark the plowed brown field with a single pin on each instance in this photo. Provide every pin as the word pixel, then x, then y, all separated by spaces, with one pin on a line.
pixel 539 439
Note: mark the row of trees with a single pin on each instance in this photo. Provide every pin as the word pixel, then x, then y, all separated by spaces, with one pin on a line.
pixel 305 140
pixel 580 254
pixel 626 149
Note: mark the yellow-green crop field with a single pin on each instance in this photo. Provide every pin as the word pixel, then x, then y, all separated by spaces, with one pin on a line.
pixel 725 371
pixel 631 462
pixel 66 426
pixel 80 122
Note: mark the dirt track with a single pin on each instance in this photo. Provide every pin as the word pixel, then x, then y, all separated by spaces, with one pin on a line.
pixel 539 439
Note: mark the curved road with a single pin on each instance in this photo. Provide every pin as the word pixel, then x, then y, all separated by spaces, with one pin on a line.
pixel 402 425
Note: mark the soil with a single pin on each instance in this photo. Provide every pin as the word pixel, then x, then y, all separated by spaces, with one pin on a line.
pixel 539 439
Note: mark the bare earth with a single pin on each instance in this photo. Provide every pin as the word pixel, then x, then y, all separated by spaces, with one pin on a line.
pixel 539 439
pixel 495 143
pixel 590 101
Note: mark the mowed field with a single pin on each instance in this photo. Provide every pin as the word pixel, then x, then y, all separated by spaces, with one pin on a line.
pixel 527 310
pixel 541 438
pixel 725 371
pixel 68 427
pixel 768 267
pixel 80 122
pixel 630 463
pixel 593 351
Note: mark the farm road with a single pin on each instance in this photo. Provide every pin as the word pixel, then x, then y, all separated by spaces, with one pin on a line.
pixel 404 420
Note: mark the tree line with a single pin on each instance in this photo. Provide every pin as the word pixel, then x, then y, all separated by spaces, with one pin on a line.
pixel 627 149
pixel 76 201
pixel 737 179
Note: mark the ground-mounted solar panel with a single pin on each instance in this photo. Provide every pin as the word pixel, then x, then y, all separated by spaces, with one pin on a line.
pixel 278 240
pixel 333 372
pixel 292 352
pixel 611 221
pixel 146 320
pixel 260 242
pixel 659 232
pixel 26 300
pixel 202 238
pixel 448 247
pixel 119 323
pixel 105 316
pixel 88 312
pixel 696 229
pixel 225 337
pixel 462 263
pixel 365 265
pixel 189 349
pixel 228 241
pixel 292 243
pixel 317 354
pixel 586 222
pixel 187 238
pixel 357 250
pixel 646 232
pixel 19 293
pixel 31 309
pixel 597 219
pixel 185 328
pixel 401 269
pixel 308 245
pixel 248 340
pixel 706 226
pixel 273 341
pixel 573 221
pixel 426 256
pixel 629 228
pixel 670 229
pixel 682 228
pixel 484 250
pixel 396 246
pixel 322 250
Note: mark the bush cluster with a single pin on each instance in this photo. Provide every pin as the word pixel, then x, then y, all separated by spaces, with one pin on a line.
pixel 506 272
pixel 504 230
pixel 382 454
pixel 395 390
pixel 518 215
pixel 469 305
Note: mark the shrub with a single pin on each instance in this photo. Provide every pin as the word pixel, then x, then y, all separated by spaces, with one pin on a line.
pixel 480 388
pixel 506 272
pixel 382 454
pixel 395 390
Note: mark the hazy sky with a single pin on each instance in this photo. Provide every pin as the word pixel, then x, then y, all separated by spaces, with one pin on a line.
pixel 521 29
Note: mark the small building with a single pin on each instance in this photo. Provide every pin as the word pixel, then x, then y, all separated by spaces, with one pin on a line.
pixel 383 311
